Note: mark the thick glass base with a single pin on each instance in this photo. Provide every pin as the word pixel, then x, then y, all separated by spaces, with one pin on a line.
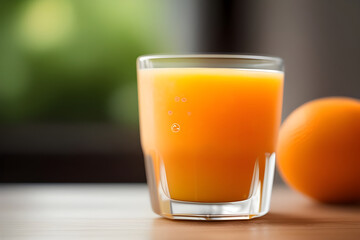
pixel 256 205
pixel 241 210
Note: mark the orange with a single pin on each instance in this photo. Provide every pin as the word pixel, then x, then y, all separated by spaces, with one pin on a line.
pixel 318 150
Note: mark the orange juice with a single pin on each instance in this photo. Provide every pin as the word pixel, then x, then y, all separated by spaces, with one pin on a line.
pixel 206 129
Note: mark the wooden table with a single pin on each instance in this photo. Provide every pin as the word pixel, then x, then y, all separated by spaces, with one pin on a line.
pixel 116 211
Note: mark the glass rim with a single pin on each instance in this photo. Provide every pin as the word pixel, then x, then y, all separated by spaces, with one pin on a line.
pixel 210 56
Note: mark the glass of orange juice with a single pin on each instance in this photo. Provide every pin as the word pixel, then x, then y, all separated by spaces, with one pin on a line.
pixel 209 126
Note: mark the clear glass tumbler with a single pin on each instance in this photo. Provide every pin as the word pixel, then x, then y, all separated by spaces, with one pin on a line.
pixel 209 125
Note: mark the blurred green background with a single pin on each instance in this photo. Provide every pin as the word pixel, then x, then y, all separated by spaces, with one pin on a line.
pixel 68 96
pixel 74 60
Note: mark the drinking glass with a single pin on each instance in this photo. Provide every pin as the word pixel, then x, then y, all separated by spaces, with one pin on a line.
pixel 209 125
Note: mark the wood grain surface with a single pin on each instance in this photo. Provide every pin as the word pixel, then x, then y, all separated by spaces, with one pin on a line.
pixel 118 211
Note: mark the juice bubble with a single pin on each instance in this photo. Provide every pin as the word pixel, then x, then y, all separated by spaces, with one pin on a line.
pixel 175 127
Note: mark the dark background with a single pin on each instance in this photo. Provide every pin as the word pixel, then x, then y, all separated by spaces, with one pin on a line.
pixel 68 103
